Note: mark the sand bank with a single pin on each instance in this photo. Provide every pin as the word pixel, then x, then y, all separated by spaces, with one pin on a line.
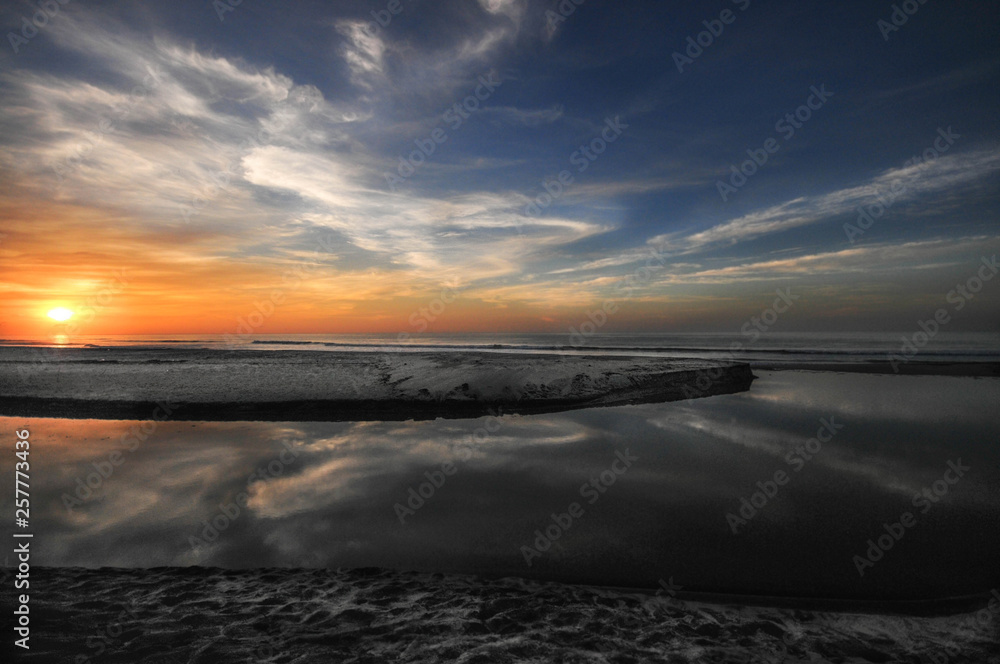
pixel 198 384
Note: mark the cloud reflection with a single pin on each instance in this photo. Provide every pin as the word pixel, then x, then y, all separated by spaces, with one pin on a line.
pixel 333 505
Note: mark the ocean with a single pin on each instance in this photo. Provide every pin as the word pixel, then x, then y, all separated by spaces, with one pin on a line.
pixel 770 349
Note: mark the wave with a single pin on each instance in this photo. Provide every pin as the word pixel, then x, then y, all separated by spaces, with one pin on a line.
pixel 793 350
pixel 855 352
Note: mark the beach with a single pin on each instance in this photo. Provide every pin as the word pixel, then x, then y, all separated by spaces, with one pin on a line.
pixel 156 616
pixel 211 384
pixel 500 331
pixel 402 506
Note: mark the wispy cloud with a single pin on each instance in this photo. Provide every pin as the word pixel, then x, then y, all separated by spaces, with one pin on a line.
pixel 212 166
pixel 528 118
pixel 941 174
pixel 867 260
pixel 363 52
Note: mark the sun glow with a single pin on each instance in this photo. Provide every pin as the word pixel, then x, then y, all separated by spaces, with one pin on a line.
pixel 60 314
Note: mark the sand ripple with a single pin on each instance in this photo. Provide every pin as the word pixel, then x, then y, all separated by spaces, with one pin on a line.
pixel 190 615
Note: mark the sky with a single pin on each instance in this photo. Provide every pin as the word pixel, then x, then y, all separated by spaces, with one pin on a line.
pixel 418 166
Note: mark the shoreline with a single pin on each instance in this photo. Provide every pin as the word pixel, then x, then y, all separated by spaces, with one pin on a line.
pixel 212 385
pixel 917 368
pixel 922 607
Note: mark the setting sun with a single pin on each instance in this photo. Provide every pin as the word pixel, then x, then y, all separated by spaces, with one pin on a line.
pixel 60 314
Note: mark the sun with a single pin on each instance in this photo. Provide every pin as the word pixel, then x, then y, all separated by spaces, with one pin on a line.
pixel 60 314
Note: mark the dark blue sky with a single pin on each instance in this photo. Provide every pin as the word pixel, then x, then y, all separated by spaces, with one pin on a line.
pixel 312 119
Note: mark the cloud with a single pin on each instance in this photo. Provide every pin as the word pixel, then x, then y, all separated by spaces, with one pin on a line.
pixel 147 146
pixel 528 118
pixel 511 8
pixel 363 51
pixel 870 260
pixel 942 174
pixel 237 146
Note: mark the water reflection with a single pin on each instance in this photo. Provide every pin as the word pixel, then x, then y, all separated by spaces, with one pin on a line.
pixel 287 494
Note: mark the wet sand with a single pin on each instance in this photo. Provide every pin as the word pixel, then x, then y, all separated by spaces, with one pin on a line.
pixel 154 616
pixel 214 385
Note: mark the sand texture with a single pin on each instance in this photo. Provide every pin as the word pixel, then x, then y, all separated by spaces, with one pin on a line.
pixel 194 615
pixel 123 383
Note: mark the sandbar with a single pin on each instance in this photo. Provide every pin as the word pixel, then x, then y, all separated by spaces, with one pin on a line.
pixel 254 385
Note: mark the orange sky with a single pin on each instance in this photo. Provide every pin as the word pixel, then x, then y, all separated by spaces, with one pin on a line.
pixel 130 278
pixel 158 180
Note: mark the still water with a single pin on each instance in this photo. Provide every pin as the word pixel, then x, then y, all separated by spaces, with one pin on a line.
pixel 639 493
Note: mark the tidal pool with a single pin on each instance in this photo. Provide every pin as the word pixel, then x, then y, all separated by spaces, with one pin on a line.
pixel 624 496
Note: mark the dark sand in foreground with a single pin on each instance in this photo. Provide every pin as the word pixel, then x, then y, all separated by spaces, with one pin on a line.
pixel 119 383
pixel 161 615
